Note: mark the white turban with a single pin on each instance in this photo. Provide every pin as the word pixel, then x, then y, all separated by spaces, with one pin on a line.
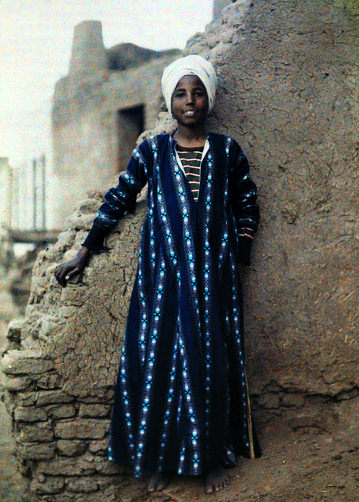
pixel 189 65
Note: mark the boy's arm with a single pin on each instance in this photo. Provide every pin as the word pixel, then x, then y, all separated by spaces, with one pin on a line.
pixel 120 198
pixel 242 196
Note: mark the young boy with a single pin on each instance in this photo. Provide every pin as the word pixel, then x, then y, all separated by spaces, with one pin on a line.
pixel 181 402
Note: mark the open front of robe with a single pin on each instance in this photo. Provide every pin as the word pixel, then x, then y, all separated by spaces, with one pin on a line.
pixel 181 398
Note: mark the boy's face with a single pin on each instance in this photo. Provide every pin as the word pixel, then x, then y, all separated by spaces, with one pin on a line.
pixel 189 101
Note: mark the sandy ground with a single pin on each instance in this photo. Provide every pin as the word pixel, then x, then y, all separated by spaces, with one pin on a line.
pixel 308 464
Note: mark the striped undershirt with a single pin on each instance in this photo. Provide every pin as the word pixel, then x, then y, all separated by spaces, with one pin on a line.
pixel 191 162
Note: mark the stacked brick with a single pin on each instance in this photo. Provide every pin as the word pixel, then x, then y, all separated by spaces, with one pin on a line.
pixel 61 440
pixel 60 363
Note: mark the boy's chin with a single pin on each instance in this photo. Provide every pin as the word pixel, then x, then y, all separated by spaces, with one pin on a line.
pixel 191 123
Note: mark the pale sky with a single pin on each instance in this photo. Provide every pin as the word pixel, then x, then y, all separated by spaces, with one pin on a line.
pixel 35 47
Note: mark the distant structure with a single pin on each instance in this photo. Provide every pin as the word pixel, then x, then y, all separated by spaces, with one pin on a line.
pixel 99 109
pixel 23 195
pixel 6 175
pixel 218 6
pixel 23 201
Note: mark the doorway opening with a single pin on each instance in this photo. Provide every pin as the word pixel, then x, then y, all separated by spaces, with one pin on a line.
pixel 131 123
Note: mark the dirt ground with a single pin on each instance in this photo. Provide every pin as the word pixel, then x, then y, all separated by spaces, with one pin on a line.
pixel 308 464
pixel 305 465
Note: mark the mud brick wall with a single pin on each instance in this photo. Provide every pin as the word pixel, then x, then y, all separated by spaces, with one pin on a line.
pixel 288 92
pixel 60 410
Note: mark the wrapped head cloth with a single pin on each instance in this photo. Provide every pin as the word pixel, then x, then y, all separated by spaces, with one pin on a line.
pixel 189 65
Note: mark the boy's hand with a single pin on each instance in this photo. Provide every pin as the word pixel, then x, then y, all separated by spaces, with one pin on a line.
pixel 69 269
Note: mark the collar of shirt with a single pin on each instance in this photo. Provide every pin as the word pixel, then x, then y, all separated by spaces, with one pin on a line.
pixel 205 150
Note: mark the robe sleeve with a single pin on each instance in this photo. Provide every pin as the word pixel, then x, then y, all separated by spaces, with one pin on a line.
pixel 121 198
pixel 242 196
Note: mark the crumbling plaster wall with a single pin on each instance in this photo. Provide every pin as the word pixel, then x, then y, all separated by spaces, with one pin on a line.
pixel 291 99
pixel 288 93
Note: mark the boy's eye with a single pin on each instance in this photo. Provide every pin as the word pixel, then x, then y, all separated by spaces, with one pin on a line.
pixel 181 94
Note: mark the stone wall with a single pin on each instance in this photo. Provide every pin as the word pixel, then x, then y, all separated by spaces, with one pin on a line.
pixel 288 82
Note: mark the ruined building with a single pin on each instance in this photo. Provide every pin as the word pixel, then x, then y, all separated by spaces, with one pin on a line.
pixel 99 109
pixel 288 92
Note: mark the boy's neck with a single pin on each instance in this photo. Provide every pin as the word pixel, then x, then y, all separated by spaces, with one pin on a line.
pixel 186 136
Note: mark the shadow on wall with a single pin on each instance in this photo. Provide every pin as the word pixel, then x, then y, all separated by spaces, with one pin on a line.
pixel 131 123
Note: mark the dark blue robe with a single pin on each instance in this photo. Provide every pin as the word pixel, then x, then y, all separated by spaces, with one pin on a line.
pixel 181 398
